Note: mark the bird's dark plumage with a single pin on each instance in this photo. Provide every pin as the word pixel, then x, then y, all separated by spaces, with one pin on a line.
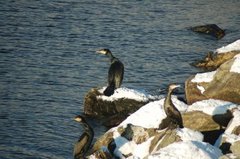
pixel 171 111
pixel 115 72
pixel 84 143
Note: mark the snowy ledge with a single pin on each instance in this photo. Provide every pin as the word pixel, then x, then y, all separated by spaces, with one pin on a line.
pixel 152 114
pixel 235 46
pixel 128 93
pixel 236 64
pixel 204 77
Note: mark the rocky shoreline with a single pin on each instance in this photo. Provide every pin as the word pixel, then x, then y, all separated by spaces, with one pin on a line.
pixel 212 112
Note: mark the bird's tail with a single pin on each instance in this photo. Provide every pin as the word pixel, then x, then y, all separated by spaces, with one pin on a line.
pixel 109 90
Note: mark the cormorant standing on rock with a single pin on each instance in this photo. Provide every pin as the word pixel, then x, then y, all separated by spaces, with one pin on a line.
pixel 171 111
pixel 115 72
pixel 84 143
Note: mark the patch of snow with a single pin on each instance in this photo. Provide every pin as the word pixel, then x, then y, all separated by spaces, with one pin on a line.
pixel 211 106
pixel 152 114
pixel 127 93
pixel 201 88
pixel 142 150
pixel 236 64
pixel 148 116
pixel 204 77
pixel 123 146
pixel 181 106
pixel 230 47
pixel 187 150
pixel 187 134
pixel 231 138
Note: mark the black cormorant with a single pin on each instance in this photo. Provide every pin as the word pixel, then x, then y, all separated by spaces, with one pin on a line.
pixel 171 111
pixel 115 72
pixel 84 143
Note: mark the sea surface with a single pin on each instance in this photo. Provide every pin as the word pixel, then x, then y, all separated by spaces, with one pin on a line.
pixel 48 60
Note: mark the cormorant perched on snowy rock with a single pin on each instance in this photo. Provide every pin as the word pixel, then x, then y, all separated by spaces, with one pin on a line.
pixel 115 72
pixel 84 143
pixel 171 111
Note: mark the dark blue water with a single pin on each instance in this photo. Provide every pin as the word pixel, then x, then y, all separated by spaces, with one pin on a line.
pixel 48 60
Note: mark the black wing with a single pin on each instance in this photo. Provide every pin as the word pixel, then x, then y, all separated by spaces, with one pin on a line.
pixel 115 74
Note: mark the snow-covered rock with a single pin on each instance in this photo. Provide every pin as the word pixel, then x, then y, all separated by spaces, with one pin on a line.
pixel 235 46
pixel 139 135
pixel 223 83
pixel 124 101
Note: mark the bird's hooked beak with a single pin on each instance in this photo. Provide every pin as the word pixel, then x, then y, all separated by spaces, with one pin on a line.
pixel 101 52
pixel 175 86
pixel 78 119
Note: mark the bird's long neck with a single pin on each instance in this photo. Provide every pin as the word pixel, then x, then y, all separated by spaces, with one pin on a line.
pixel 111 57
pixel 168 98
pixel 88 129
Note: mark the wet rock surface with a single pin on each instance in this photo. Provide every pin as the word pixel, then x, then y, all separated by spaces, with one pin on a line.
pixel 213 60
pixel 209 29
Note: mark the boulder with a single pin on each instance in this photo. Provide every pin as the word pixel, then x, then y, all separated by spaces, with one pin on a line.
pixel 118 106
pixel 198 120
pixel 221 84
pixel 209 29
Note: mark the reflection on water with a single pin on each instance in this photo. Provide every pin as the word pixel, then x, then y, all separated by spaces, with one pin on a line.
pixel 48 60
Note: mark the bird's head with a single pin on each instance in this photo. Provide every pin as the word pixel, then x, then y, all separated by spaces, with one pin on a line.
pixel 173 86
pixel 79 118
pixel 104 51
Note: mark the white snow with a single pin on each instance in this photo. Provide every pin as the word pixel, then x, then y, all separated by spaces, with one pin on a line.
pixel 204 77
pixel 211 106
pixel 126 147
pixel 236 64
pixel 127 93
pixel 148 116
pixel 142 149
pixel 230 47
pixel 188 134
pixel 187 150
pixel 231 138
pixel 152 114
pixel 201 88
